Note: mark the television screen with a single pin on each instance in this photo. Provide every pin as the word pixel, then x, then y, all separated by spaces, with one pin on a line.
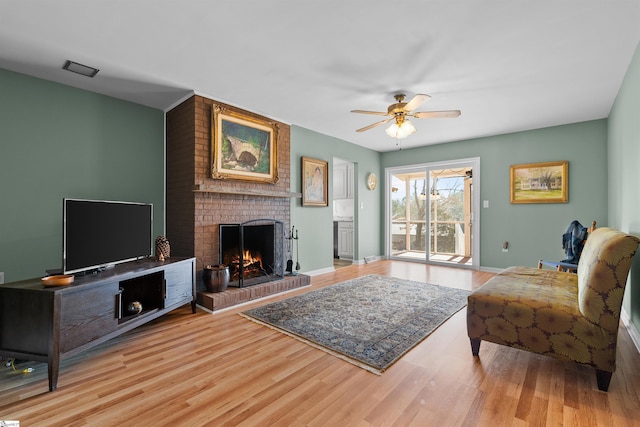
pixel 99 233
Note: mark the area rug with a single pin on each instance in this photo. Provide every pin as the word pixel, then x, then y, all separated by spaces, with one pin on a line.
pixel 370 321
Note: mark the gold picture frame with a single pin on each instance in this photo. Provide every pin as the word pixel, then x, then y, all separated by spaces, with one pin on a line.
pixel 243 147
pixel 546 182
pixel 315 182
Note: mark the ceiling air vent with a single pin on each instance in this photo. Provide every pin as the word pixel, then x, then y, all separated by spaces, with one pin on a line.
pixel 80 69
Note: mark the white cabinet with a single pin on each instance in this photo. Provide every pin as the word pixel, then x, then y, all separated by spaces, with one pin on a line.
pixel 345 239
pixel 343 181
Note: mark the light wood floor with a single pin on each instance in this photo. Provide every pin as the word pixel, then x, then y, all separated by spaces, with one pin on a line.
pixel 221 369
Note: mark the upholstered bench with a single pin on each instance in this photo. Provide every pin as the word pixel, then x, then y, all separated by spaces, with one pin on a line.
pixel 568 316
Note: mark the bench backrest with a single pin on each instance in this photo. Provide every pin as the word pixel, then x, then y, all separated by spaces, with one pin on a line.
pixel 602 275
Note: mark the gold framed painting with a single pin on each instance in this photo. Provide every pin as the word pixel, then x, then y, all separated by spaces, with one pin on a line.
pixel 546 182
pixel 243 147
pixel 315 182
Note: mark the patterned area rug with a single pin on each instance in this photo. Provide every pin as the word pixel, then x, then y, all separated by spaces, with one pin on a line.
pixel 371 321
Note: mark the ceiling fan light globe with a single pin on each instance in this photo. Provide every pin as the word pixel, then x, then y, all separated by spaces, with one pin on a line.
pixel 392 130
pixel 407 128
pixel 401 131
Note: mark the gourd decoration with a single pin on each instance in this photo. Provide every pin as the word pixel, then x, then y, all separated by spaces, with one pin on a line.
pixel 163 249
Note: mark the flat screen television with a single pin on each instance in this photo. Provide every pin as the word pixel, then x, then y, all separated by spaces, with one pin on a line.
pixel 99 233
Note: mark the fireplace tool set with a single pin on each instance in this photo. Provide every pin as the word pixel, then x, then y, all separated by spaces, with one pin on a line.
pixel 293 236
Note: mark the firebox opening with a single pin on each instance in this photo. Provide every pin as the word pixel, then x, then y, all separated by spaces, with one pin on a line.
pixel 253 251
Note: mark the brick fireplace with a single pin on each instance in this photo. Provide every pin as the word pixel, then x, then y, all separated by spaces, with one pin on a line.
pixel 253 251
pixel 196 203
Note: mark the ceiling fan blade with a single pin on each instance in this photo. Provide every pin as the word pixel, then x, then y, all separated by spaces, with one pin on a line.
pixel 377 113
pixel 437 114
pixel 374 125
pixel 416 101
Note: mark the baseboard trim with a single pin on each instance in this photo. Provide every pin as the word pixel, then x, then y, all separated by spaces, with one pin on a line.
pixel 320 271
pixel 631 328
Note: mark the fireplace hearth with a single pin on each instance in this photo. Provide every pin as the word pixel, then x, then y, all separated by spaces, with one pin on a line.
pixel 253 251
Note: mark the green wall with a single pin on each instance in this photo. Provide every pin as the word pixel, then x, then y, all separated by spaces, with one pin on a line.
pixel 57 141
pixel 624 176
pixel 315 224
pixel 533 230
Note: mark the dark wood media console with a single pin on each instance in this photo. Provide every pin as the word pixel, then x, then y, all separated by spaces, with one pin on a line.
pixel 47 324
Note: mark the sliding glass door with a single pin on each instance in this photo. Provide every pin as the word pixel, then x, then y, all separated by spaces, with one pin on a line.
pixel 450 214
pixel 408 225
pixel 432 211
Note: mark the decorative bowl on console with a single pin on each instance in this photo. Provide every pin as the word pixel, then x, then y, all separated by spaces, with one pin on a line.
pixel 57 280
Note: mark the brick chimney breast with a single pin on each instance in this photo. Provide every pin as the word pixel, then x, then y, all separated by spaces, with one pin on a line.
pixel 196 203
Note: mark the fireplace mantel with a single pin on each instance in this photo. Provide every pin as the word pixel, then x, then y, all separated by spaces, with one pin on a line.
pixel 248 192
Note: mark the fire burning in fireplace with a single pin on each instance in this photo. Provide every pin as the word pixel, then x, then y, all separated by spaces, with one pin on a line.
pixel 251 265
pixel 254 251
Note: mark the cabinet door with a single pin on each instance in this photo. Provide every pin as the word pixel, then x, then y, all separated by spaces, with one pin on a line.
pixel 179 282
pixel 349 181
pixel 25 320
pixel 350 242
pixel 87 315
pixel 340 182
pixel 345 240
pixel 343 181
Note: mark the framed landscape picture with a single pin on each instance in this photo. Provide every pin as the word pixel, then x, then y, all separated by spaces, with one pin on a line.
pixel 243 147
pixel 315 181
pixel 540 182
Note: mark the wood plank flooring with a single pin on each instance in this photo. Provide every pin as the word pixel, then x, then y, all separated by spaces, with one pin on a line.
pixel 221 369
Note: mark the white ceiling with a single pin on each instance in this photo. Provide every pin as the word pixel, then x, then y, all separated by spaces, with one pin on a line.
pixel 508 65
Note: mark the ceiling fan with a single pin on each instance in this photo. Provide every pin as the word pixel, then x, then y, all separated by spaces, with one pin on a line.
pixel 399 111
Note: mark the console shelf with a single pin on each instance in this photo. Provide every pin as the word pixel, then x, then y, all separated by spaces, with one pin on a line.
pixel 47 324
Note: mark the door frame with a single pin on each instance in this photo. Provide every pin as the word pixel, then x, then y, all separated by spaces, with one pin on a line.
pixel 474 163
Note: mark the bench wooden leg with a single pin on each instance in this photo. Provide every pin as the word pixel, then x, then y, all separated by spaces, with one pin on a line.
pixel 475 346
pixel 603 378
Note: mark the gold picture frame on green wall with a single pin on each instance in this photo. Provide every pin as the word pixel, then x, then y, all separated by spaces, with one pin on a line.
pixel 546 182
pixel 243 147
pixel 315 182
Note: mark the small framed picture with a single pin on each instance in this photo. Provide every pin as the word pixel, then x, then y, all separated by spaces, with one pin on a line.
pixel 315 182
pixel 540 182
